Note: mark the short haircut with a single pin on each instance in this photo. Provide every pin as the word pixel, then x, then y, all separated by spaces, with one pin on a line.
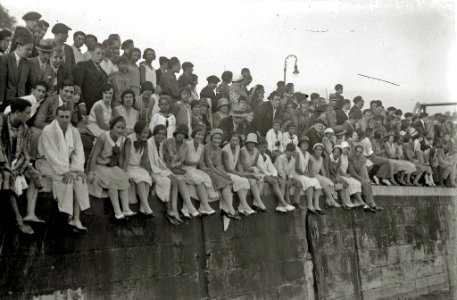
pixel 358 147
pixel 347 101
pixel 163 60
pixel 100 46
pixel 146 52
pixel 133 50
pixel 114 37
pixel 291 147
pixel 357 99
pixel 227 76
pixel 64 107
pixel 79 33
pixel 158 128
pixel 235 134
pixel 353 115
pixel 338 86
pixel 128 92
pixel 19 105
pixel 360 133
pixel 194 103
pixel 273 94
pixel 106 87
pixel 123 60
pixel 314 96
pixel 91 36
pixel 164 97
pixel 373 102
pixel 196 130
pixel 4 34
pixel 367 110
pixel 40 83
pixel 65 83
pixel 43 24
pixel 116 120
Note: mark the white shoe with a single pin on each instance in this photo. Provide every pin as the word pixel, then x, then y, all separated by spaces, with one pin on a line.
pixel 281 209
pixel 289 207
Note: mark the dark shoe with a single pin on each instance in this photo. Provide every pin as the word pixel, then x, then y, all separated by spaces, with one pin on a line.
pixel 321 212
pixel 369 209
pixel 258 208
pixel 230 216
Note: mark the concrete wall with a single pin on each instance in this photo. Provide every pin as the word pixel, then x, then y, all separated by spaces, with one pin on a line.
pixel 407 250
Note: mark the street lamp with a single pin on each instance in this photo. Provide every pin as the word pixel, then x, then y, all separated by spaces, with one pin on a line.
pixel 295 66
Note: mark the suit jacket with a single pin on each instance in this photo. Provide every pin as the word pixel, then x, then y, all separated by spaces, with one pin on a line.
pixel 227 127
pixel 64 74
pixel 36 70
pixel 314 138
pixel 20 31
pixel 69 55
pixel 263 119
pixel 90 79
pixel 341 116
pixel 14 81
pixel 46 112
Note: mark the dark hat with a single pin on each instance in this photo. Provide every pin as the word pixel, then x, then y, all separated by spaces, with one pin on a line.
pixel 43 24
pixel 46 45
pixel 302 139
pixel 187 64
pixel 31 16
pixel 213 79
pixel 60 28
pixel 126 43
pixel 24 39
pixel 183 129
pixel 147 85
pixel 319 121
pixel 339 130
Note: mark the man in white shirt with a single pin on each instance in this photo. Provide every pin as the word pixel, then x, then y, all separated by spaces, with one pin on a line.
pixel 79 38
pixel 39 90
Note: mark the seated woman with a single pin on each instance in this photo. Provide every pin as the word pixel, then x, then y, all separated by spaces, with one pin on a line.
pixel 403 168
pixel 126 110
pixel 197 177
pixel 138 167
pixel 174 154
pixel 241 184
pixel 98 122
pixel 358 170
pixel 333 166
pixel 223 107
pixel 355 186
pixel 310 185
pixel 164 117
pixel 249 157
pixel 421 154
pixel 146 102
pixel 211 163
pixel 316 169
pixel 165 183
pixel 108 168
pixel 446 166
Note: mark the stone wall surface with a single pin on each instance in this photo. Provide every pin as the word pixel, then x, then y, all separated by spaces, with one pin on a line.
pixel 407 250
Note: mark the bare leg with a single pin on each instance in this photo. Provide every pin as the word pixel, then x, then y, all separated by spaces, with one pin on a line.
pixel 20 224
pixel 317 196
pixel 114 197
pixel 203 196
pixel 309 199
pixel 418 177
pixel 277 191
pixel 76 220
pixel 172 206
pixel 358 199
pixel 143 192
pixel 242 194
pixel 187 203
pixel 32 195
pixel 256 194
pixel 298 188
pixel 227 200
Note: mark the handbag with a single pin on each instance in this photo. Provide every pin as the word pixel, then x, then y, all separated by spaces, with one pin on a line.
pixel 338 186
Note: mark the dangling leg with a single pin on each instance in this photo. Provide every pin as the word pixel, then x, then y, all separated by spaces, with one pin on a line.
pixel 114 197
pixel 76 220
pixel 172 205
pixel 256 194
pixel 143 193
pixel 32 195
pixel 187 202
pixel 204 208
pixel 317 196
pixel 309 199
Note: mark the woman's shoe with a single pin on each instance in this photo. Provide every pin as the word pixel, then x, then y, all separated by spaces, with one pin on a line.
pixel 186 214
pixel 320 211
pixel 289 207
pixel 206 212
pixel 26 229
pixel 172 219
pixel 312 210
pixel 243 212
pixel 195 214
pixel 370 209
pixel 258 208
pixel 230 216
pixel 119 218
pixel 129 213
pixel 348 206
pixel 281 209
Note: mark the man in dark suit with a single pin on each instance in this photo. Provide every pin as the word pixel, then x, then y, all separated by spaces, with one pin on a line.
pixel 57 71
pixel 90 77
pixel 15 71
pixel 40 63
pixel 268 111
pixel 60 32
pixel 235 123
pixel 31 21
pixel 209 91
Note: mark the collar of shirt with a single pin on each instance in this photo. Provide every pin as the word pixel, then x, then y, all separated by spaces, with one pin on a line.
pixel 78 49
pixel 60 101
pixel 18 58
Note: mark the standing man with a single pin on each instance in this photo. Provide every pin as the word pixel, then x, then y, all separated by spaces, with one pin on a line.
pixel 40 63
pixel 357 107
pixel 329 116
pixel 90 77
pixel 168 81
pixel 79 38
pixel 60 32
pixel 267 112
pixel 16 76
pixel 31 21
pixel 57 71
pixel 63 161
pixel 5 40
pixel 91 42
pixel 209 91
pixel 163 62
pixel 186 76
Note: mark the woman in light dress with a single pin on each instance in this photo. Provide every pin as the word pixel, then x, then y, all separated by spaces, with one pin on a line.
pixel 126 110
pixel 355 186
pixel 146 103
pixel 101 112
pixel 197 177
pixel 164 116
pixel 108 165
pixel 138 167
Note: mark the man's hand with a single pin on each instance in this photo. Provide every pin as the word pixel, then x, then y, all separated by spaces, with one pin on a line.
pixel 67 177
pixel 81 175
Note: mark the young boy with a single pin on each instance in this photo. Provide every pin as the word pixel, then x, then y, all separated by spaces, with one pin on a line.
pixel 290 136
pixel 120 80
pixel 274 139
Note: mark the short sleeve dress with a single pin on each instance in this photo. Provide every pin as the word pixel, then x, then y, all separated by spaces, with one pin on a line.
pixel 239 183
pixel 214 155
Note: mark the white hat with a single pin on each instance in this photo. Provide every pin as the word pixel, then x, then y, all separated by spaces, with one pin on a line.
pixel 402 133
pixel 345 145
pixel 328 130
pixel 251 138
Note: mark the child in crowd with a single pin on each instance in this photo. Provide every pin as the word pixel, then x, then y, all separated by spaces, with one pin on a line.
pixel 126 110
pixel 274 139
pixel 290 136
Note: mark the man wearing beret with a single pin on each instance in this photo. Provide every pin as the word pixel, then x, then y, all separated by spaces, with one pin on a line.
pixel 16 77
pixel 31 20
pixel 186 76
pixel 90 77
pixel 209 91
pixel 40 63
pixel 60 32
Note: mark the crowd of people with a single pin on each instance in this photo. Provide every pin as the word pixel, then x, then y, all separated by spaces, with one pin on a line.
pixel 99 123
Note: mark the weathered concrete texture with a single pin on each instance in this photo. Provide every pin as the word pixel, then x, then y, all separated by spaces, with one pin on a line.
pixel 260 257
pixel 407 250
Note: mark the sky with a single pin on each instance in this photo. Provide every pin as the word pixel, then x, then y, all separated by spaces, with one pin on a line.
pixel 409 43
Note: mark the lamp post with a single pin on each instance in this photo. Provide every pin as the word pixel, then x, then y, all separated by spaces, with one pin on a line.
pixel 295 66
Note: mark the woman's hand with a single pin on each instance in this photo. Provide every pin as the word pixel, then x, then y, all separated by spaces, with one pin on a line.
pixel 91 177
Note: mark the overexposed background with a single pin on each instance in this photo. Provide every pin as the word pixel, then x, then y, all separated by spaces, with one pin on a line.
pixel 411 43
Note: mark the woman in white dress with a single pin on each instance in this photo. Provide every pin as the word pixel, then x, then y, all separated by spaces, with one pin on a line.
pixel 146 102
pixel 101 112
pixel 355 186
pixel 126 110
pixel 310 185
pixel 230 158
pixel 164 117
pixel 196 177
pixel 138 167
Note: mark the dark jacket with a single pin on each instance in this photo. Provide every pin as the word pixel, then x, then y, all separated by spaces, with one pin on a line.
pixel 90 79
pixel 14 82
pixel 208 92
pixel 263 119
pixel 341 116
pixel 227 127
pixel 314 138
pixel 69 55
pixel 64 73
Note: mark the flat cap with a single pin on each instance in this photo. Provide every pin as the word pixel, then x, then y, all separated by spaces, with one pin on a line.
pixel 187 64
pixel 60 28
pixel 213 79
pixel 31 16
